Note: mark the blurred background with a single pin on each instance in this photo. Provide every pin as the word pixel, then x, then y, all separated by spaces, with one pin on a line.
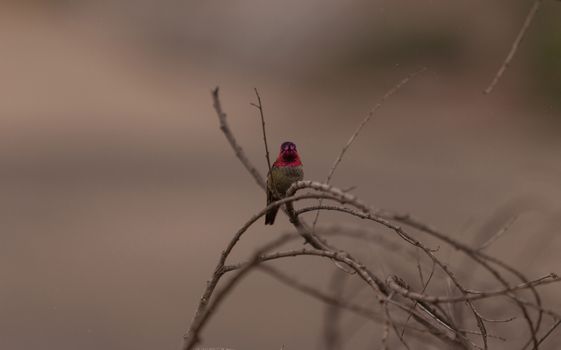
pixel 118 190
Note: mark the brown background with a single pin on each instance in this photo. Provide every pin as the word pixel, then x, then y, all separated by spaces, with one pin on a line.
pixel 118 191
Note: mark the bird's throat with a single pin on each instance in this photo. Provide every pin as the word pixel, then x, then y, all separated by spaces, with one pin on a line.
pixel 293 161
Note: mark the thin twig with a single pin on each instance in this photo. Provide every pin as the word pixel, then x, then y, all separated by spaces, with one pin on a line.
pixel 259 106
pixel 386 334
pixel 392 323
pixel 514 47
pixel 394 285
pixel 548 333
pixel 498 235
pixel 425 285
pixel 232 140
pixel 332 313
pixel 419 268
pixel 192 337
pixel 370 114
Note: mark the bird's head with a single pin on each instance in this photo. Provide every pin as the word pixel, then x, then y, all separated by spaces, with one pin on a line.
pixel 288 154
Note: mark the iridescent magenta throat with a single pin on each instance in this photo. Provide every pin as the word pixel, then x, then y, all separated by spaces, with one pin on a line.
pixel 288 160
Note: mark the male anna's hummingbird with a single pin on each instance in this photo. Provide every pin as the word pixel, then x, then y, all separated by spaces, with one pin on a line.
pixel 286 170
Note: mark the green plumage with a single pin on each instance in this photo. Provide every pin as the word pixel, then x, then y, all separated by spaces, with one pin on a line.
pixel 278 182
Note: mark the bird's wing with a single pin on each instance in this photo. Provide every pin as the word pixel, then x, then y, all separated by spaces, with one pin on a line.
pixel 270 195
pixel 270 198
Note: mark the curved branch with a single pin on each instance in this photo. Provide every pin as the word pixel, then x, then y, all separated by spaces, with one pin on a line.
pixel 232 140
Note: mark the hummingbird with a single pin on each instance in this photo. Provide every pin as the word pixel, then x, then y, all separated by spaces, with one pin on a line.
pixel 286 170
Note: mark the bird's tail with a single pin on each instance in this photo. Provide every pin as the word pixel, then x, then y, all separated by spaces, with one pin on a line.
pixel 271 215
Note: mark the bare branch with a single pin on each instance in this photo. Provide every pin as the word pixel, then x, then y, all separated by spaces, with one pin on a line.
pixel 548 333
pixel 386 334
pixel 425 285
pixel 498 235
pixel 259 106
pixel 191 337
pixel 390 321
pixel 366 119
pixel 332 313
pixel 370 114
pixel 394 284
pixel 480 258
pixel 514 47
pixel 232 140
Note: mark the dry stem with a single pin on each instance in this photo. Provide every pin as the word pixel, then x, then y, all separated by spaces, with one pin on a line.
pixel 529 18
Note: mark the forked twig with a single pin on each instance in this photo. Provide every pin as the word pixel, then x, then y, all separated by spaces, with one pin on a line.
pixel 232 140
pixel 259 106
